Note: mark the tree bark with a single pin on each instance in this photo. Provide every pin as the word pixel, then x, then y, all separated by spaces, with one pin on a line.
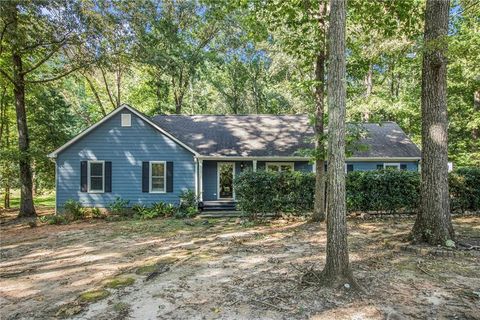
pixel 319 204
pixel 27 208
pixel 476 109
pixel 337 268
pixel 433 224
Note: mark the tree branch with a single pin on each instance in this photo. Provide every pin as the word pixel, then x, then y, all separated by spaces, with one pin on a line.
pixel 6 76
pixel 108 88
pixel 42 61
pixel 56 77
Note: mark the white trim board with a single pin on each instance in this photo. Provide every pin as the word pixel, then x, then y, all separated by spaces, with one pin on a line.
pixel 110 115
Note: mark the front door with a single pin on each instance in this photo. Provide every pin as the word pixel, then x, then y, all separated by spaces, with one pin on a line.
pixel 226 174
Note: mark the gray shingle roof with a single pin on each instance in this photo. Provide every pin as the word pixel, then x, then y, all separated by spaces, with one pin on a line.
pixel 270 136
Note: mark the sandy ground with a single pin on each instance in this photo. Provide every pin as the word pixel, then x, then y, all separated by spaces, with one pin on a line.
pixel 221 269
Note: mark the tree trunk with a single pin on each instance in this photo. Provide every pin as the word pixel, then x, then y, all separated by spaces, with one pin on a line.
pixel 476 109
pixel 319 204
pixel 6 199
pixel 27 208
pixel 433 224
pixel 337 268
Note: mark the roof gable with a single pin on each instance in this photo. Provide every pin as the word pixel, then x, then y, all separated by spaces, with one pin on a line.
pixel 109 116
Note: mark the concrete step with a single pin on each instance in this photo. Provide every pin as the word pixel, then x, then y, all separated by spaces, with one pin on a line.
pixel 220 214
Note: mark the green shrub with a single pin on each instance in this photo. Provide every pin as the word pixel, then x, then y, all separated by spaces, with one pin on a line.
pixel 141 211
pixel 188 204
pixel 74 209
pixel 383 190
pixel 54 219
pixel 96 213
pixel 120 207
pixel 272 192
pixel 464 185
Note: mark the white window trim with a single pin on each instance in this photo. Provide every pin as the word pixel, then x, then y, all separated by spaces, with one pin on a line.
pixel 164 177
pixel 385 165
pixel 89 176
pixel 126 120
pixel 219 164
pixel 291 164
pixel 346 167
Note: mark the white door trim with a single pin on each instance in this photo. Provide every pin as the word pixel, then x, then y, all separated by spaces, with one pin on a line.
pixel 219 164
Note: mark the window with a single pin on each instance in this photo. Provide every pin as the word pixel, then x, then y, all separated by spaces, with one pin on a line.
pixel 279 166
pixel 96 176
pixel 126 120
pixel 348 167
pixel 391 166
pixel 158 176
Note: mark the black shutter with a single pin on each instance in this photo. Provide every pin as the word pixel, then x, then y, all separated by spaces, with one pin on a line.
pixel 108 176
pixel 83 176
pixel 145 176
pixel 169 176
pixel 349 167
pixel 403 166
pixel 379 166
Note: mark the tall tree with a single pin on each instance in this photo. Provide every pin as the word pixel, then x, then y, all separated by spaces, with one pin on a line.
pixel 33 34
pixel 433 224
pixel 337 267
pixel 319 204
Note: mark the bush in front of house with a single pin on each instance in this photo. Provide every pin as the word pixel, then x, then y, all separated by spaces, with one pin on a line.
pixel 74 210
pixel 464 186
pixel 389 191
pixel 263 192
pixel 120 207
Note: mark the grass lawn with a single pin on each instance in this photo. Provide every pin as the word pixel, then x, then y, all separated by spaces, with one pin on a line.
pixel 223 269
pixel 44 200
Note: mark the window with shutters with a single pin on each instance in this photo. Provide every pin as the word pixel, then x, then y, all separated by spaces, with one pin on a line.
pixel 158 176
pixel 96 176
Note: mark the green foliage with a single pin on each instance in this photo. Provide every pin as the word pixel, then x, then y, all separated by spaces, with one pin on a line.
pixel 54 219
pixel 272 192
pixel 96 213
pixel 383 190
pixel 74 209
pixel 464 185
pixel 188 199
pixel 164 209
pixel 120 207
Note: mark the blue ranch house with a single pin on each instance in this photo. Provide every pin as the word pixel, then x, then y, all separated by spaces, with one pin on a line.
pixel 149 159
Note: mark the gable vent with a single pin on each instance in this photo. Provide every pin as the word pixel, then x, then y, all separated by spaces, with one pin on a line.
pixel 126 120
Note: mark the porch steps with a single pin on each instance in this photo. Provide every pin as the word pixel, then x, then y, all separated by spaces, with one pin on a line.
pixel 215 206
pixel 220 214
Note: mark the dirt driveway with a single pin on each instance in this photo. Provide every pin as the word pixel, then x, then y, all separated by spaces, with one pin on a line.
pixel 222 269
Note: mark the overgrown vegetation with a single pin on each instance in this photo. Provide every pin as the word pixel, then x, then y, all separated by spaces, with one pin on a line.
pixel 383 191
pixel 390 191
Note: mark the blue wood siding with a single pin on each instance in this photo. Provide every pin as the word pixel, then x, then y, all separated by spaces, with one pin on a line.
pixel 126 148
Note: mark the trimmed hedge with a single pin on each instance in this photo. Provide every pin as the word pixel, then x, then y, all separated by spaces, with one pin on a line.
pixel 272 192
pixel 464 184
pixel 388 191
